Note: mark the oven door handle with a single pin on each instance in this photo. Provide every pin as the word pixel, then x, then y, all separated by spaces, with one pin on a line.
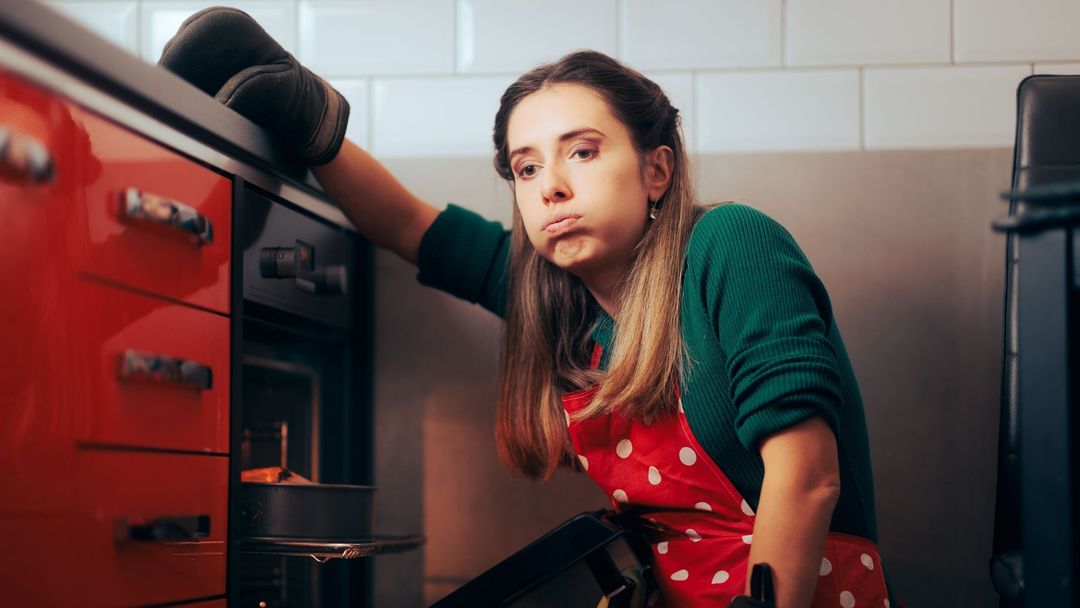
pixel 172 527
pixel 136 366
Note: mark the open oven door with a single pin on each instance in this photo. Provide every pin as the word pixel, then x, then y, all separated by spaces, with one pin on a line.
pixel 586 560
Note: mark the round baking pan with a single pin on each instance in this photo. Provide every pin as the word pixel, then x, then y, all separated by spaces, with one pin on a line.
pixel 306 511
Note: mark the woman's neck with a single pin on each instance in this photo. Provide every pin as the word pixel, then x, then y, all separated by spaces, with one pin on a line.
pixel 604 287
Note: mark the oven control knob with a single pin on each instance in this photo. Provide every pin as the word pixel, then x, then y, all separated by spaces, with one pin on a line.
pixel 298 263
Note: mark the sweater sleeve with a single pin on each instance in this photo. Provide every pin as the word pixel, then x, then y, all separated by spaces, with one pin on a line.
pixel 466 256
pixel 771 316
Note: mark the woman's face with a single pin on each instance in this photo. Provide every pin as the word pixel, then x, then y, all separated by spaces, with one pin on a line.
pixel 577 180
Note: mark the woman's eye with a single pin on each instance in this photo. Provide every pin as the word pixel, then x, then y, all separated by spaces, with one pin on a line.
pixel 527 171
pixel 584 153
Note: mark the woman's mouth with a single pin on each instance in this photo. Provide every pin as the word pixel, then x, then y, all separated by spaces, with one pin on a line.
pixel 560 224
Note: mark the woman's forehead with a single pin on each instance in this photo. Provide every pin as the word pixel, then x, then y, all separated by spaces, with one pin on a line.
pixel 543 116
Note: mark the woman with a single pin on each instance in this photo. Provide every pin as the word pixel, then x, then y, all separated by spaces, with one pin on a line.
pixel 685 359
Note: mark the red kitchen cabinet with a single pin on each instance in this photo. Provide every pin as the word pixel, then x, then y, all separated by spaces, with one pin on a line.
pixel 150 528
pixel 156 373
pixel 42 175
pixel 114 376
pixel 152 219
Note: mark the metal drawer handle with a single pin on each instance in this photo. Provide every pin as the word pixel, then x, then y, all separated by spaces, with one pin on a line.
pixel 173 527
pixel 137 366
pixel 23 159
pixel 145 207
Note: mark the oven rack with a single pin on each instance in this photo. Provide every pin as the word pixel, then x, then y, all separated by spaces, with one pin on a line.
pixel 322 550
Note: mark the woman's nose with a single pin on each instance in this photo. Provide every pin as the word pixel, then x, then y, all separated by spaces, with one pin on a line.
pixel 555 187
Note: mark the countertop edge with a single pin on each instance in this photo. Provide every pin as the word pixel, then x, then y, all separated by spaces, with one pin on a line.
pixel 54 38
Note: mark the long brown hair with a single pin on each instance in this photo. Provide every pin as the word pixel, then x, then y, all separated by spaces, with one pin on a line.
pixel 550 314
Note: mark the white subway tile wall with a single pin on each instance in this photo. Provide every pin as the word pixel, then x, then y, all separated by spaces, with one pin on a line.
pixel 356 93
pixel 115 21
pixel 424 76
pixel 862 32
pixel 942 107
pixel 781 110
pixel 1011 30
pixel 340 38
pixel 1060 69
pixel 700 34
pixel 434 116
pixel 504 36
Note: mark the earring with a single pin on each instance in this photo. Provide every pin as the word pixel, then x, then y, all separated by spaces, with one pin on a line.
pixel 652 210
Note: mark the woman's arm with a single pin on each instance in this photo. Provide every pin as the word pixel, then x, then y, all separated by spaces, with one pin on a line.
pixel 375 201
pixel 801 487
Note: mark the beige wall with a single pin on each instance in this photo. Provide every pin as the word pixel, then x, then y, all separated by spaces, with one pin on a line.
pixel 901 239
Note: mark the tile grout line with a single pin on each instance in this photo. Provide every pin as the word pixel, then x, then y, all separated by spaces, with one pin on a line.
pixel 139 30
pixel 694 109
pixel 952 32
pixel 862 108
pixel 296 27
pixel 369 144
pixel 783 34
pixel 457 38
pixel 618 30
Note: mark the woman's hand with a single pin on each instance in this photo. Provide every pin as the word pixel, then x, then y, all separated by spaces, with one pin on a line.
pixel 801 487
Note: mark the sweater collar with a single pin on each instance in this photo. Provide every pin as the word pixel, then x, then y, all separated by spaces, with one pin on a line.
pixel 603 330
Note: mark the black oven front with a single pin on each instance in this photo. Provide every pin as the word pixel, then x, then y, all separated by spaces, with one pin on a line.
pixel 303 400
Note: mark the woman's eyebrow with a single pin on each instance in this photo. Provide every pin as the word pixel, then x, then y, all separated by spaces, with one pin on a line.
pixel 562 138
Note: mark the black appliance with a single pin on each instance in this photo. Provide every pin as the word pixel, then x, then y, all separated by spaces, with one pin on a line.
pixel 589 557
pixel 303 356
pixel 1036 532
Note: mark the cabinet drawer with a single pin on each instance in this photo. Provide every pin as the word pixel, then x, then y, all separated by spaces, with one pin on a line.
pixel 35 266
pixel 133 399
pixel 94 557
pixel 135 499
pixel 126 231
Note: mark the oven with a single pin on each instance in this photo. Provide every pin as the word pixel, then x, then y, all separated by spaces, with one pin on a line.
pixel 303 404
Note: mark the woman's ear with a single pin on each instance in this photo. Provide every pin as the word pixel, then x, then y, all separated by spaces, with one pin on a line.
pixel 659 165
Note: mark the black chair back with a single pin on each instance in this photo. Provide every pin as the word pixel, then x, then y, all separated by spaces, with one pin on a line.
pixel 1047 151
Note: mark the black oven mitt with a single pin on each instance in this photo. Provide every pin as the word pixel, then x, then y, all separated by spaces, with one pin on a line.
pixel 762 594
pixel 227 54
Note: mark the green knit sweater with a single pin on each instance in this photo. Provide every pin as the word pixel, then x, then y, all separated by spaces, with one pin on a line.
pixel 764 350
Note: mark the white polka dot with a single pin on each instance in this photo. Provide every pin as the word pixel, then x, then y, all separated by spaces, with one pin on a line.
pixel 826 567
pixel 654 476
pixel 721 576
pixel 749 538
pixel 867 561
pixel 647 419
pixel 687 456
pixel 702 506
pixel 693 535
pixel 620 496
pixel 887 604
pixel 745 506
pixel 623 448
pixel 567 412
pixel 682 411
pixel 680 575
pixel 661 548
pixel 847 599
pixel 584 462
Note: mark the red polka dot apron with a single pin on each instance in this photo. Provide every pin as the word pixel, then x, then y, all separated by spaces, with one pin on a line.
pixel 698 526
